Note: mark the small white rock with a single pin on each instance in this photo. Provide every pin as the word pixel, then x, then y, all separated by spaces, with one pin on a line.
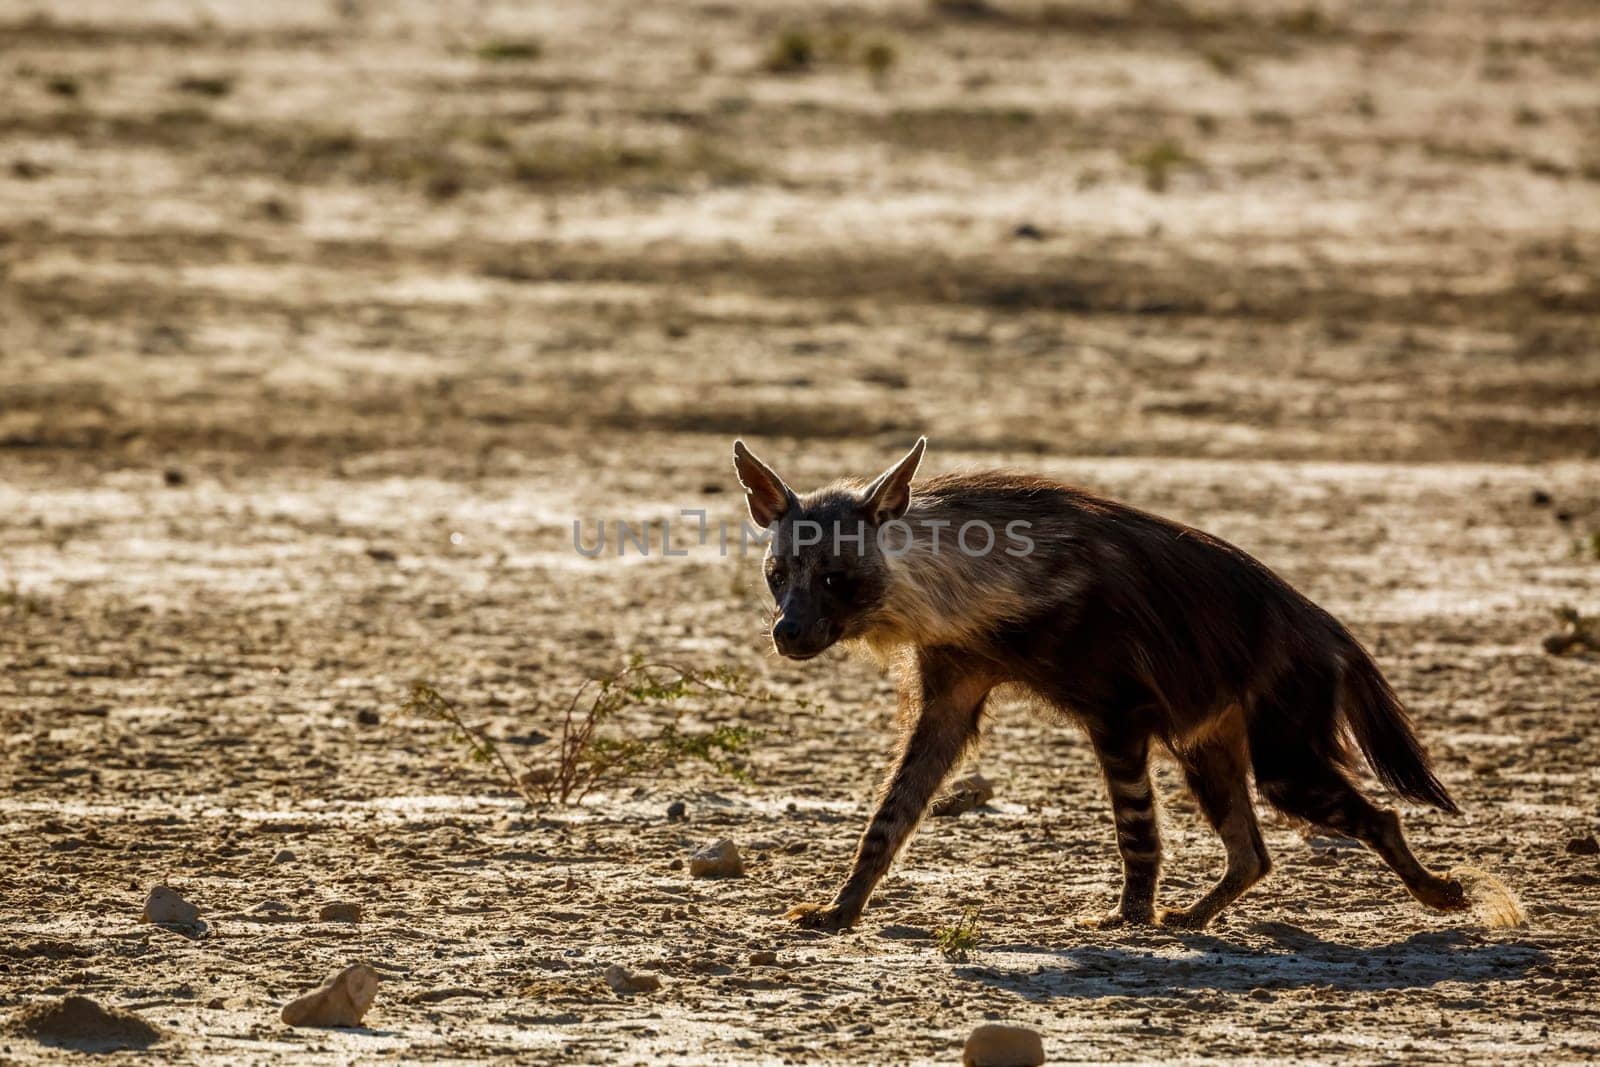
pixel 720 859
pixel 626 982
pixel 995 1045
pixel 164 905
pixel 342 1002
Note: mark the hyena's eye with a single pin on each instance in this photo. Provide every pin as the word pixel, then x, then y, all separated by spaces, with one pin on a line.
pixel 839 584
pixel 776 576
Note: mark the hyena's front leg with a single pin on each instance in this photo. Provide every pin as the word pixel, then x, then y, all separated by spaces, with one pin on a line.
pixel 946 711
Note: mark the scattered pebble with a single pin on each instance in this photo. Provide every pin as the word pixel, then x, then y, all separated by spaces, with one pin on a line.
pixel 379 554
pixel 965 793
pixel 1539 498
pixel 1028 232
pixel 718 860
pixel 165 905
pixel 174 476
pixel 677 810
pixel 763 958
pixel 627 982
pixel 994 1045
pixel 340 912
pixel 80 1023
pixel 1583 846
pixel 367 717
pixel 343 1001
pixel 283 856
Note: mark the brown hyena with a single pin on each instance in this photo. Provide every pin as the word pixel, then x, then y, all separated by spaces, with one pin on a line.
pixel 1141 629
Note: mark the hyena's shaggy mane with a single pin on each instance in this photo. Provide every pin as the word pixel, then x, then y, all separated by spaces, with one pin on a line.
pixel 941 595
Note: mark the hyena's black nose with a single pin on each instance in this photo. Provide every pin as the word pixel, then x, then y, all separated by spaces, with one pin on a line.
pixel 786 631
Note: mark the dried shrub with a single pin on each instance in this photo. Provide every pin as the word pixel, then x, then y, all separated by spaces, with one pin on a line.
pixel 589 752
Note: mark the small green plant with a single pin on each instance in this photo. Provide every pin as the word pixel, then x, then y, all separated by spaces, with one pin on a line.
pixel 590 163
pixel 1586 547
pixel 492 137
pixel 1221 62
pixel 1158 161
pixel 510 49
pixel 794 52
pixel 1271 116
pixel 1308 21
pixel 957 942
pixel 879 57
pixel 586 755
pixel 204 86
pixel 963 9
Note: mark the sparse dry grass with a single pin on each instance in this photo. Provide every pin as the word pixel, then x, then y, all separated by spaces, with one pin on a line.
pixel 588 750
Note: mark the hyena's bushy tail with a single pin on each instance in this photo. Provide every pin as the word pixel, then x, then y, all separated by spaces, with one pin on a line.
pixel 1383 730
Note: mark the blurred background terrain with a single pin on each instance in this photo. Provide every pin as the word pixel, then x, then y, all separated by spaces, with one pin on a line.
pixel 305 232
pixel 321 322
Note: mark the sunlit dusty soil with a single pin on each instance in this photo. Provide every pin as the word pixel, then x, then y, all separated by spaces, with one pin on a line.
pixel 321 324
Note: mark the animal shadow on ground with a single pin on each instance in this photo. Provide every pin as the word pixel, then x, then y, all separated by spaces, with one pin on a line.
pixel 1294 958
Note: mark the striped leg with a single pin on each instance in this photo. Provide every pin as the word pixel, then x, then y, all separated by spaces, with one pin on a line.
pixel 945 722
pixel 1218 776
pixel 1324 797
pixel 1125 763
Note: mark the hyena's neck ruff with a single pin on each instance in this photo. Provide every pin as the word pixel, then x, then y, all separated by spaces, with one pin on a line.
pixel 944 591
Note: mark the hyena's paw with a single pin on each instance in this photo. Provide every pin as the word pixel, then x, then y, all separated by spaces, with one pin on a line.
pixel 1117 917
pixel 1183 919
pixel 819 917
pixel 1443 894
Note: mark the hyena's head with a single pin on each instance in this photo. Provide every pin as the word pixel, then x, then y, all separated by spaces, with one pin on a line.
pixel 824 564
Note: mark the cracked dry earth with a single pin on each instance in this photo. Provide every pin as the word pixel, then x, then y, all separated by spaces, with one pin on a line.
pixel 319 325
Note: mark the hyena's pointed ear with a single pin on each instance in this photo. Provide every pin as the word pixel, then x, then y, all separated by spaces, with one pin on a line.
pixel 765 492
pixel 890 496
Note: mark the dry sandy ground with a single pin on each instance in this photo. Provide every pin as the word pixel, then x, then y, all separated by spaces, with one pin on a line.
pixel 395 302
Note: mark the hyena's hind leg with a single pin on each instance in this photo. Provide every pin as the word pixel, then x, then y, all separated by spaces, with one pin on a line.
pixel 1218 775
pixel 1125 762
pixel 1306 784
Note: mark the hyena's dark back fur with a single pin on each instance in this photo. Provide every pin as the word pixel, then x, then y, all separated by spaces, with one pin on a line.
pixel 1133 623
